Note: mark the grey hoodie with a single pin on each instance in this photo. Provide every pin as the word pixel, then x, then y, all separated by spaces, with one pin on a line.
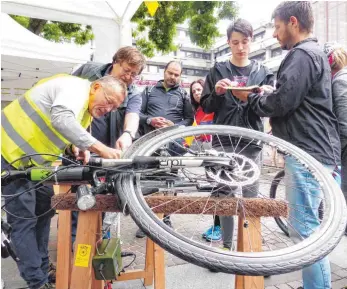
pixel 339 85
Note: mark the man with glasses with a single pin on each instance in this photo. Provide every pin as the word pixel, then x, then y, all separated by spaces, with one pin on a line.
pixel 117 129
pixel 44 121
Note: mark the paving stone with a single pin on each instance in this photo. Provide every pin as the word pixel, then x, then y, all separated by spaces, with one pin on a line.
pixel 270 287
pixel 295 284
pixel 335 277
pixel 283 286
pixel 341 273
pixel 339 284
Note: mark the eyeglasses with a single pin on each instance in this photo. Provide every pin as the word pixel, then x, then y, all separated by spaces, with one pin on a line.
pixel 109 100
pixel 128 72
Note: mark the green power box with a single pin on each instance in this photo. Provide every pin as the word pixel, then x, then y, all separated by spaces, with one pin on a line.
pixel 107 262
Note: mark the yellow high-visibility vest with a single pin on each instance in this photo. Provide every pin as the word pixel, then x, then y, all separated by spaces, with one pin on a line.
pixel 25 129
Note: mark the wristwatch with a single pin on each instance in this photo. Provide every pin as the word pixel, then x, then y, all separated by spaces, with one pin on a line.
pixel 148 120
pixel 129 132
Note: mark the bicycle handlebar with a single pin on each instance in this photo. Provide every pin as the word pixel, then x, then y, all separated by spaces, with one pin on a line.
pixel 80 174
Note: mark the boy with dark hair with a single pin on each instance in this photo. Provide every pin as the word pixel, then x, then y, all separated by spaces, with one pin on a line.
pixel 227 109
pixel 301 113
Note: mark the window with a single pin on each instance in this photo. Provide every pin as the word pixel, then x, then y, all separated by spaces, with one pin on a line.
pixel 197 55
pixel 190 71
pixel 259 57
pixel 206 56
pixel 276 52
pixel 225 51
pixel 152 68
pixel 161 70
pixel 259 36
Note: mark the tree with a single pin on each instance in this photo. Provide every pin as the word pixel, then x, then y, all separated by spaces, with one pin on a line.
pixel 57 31
pixel 202 17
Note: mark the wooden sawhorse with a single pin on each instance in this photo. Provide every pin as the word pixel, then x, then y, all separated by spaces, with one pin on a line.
pixel 82 276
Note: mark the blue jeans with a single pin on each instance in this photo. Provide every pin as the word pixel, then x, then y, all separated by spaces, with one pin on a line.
pixel 304 200
pixel 30 237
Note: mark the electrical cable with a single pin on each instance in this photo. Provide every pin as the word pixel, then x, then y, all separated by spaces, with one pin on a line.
pixel 127 254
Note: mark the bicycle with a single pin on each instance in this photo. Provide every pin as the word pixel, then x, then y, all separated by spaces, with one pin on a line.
pixel 226 169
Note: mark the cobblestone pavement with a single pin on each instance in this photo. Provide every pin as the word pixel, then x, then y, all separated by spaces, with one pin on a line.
pixel 131 243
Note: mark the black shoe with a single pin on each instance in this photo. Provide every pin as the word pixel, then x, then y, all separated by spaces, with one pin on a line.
pixel 267 276
pixel 167 222
pixel 213 270
pixel 140 233
pixel 47 286
pixel 52 271
pixel 300 287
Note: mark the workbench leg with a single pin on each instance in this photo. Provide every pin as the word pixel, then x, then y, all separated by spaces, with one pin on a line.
pixel 64 247
pixel 149 265
pixel 249 239
pixel 84 249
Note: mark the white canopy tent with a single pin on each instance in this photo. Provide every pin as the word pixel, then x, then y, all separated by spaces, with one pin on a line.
pixel 110 19
pixel 27 57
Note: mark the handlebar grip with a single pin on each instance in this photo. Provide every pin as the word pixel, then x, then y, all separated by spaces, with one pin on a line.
pixel 147 162
pixel 95 162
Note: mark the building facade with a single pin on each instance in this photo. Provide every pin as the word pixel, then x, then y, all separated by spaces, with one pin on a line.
pixel 330 25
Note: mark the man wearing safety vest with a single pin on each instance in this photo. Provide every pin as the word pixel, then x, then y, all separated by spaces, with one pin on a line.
pixel 48 119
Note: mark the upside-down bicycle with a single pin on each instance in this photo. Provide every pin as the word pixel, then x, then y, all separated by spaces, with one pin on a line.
pixel 149 164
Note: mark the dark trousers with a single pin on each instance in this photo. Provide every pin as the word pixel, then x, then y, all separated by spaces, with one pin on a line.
pixel 29 237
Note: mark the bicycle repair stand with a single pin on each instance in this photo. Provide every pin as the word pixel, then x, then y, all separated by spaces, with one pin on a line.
pixel 78 273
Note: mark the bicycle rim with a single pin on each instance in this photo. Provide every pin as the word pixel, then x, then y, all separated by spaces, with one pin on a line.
pixel 275 260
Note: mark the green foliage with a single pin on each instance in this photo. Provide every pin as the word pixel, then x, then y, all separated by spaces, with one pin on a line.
pixel 24 21
pixel 57 31
pixel 228 10
pixel 202 16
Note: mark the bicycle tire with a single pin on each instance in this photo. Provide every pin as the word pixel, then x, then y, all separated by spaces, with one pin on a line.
pixel 310 250
pixel 273 189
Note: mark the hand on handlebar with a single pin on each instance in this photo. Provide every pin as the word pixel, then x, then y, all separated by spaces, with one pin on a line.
pixel 110 153
pixel 81 155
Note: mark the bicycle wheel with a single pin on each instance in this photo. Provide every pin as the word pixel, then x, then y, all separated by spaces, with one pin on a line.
pixel 273 190
pixel 280 254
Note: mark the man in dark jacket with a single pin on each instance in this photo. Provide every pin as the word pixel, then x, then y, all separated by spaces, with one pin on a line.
pixel 301 113
pixel 163 105
pixel 241 71
pixel 118 128
pixel 166 103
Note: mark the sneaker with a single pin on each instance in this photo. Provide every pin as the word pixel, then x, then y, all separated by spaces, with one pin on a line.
pixel 207 232
pixel 140 233
pixel 167 222
pixel 47 286
pixel 216 234
pixel 52 271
